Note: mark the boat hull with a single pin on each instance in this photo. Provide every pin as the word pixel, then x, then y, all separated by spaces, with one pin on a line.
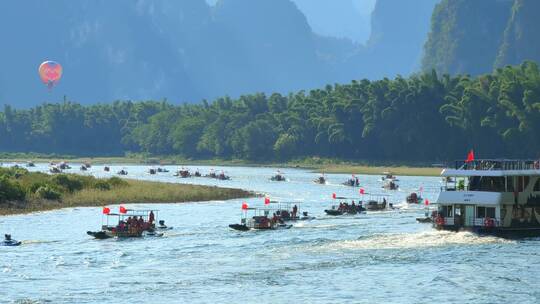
pixel 11 243
pixel 100 235
pixel 241 227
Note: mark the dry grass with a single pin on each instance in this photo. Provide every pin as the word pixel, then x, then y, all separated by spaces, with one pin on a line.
pixel 136 192
pixel 399 170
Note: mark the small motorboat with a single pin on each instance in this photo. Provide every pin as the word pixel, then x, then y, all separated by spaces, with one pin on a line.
pixel 64 166
pixel 162 170
pixel 162 226
pixel 106 169
pixel 118 225
pixel 352 182
pixel 84 168
pixel 414 198
pixel 222 176
pixel 55 170
pixel 257 219
pixel 388 176
pixel 152 171
pixel 8 241
pixel 278 178
pixel 211 174
pixel 183 173
pixel 390 185
pixel 345 209
pixel 321 180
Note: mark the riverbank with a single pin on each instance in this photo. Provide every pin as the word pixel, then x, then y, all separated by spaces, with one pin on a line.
pixel 98 192
pixel 319 165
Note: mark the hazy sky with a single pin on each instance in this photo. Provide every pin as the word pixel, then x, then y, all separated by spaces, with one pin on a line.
pixel 337 18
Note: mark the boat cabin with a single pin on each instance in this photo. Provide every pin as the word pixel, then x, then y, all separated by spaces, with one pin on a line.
pixel 496 195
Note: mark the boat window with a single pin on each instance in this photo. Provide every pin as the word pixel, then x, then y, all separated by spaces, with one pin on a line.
pixel 481 212
pixel 537 185
pixel 522 182
pixel 487 183
pixel 509 184
pixel 490 212
pixel 446 211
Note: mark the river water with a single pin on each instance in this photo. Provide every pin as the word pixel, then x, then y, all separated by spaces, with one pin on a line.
pixel 378 257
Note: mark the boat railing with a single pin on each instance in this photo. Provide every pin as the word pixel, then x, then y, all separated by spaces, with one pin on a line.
pixel 449 221
pixel 472 222
pixel 480 222
pixel 497 164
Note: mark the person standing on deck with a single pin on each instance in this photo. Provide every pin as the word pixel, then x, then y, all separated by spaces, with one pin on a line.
pixel 151 217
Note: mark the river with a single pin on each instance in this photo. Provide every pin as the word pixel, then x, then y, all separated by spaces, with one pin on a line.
pixel 378 257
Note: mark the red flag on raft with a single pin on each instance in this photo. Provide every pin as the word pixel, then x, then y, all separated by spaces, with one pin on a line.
pixel 106 210
pixel 244 206
pixel 123 209
pixel 267 200
pixel 470 157
pixel 333 195
pixel 362 191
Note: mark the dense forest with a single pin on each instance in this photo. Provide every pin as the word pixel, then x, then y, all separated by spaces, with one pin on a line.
pixel 423 117
pixel 473 37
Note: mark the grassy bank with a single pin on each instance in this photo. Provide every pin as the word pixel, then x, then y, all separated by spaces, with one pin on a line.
pixel 377 170
pixel 22 192
pixel 316 164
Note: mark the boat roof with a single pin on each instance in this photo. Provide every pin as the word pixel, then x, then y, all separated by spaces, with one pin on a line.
pixel 493 167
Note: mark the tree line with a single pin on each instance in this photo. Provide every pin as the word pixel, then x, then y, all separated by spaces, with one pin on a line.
pixel 425 117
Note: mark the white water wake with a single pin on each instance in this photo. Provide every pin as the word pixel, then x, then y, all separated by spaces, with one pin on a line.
pixel 414 241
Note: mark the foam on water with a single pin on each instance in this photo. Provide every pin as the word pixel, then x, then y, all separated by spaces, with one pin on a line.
pixel 415 241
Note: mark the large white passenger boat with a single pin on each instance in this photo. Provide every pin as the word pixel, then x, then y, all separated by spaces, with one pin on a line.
pixel 494 196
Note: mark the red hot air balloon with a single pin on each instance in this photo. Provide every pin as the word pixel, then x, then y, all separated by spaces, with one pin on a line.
pixel 50 73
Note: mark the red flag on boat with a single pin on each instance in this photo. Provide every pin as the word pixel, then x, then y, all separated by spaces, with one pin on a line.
pixel 362 191
pixel 123 209
pixel 333 195
pixel 470 157
pixel 106 210
pixel 267 200
pixel 244 206
pixel 426 202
